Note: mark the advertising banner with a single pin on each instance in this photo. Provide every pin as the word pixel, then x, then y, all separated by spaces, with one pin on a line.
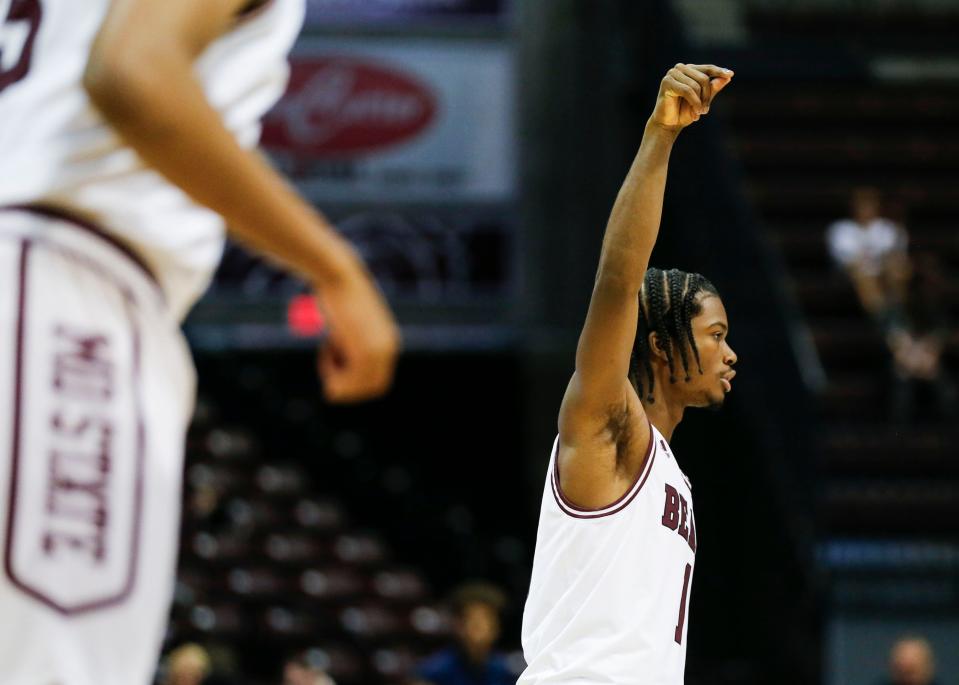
pixel 380 121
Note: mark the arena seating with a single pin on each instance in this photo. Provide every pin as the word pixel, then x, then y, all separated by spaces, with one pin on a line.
pixel 269 566
pixel 803 150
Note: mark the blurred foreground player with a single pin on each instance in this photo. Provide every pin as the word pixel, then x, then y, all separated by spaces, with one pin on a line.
pixel 608 599
pixel 126 137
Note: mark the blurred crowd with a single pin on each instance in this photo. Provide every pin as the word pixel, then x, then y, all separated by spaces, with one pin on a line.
pixel 476 609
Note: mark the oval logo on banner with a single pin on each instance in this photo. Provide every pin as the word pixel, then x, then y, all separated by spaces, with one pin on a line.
pixel 341 106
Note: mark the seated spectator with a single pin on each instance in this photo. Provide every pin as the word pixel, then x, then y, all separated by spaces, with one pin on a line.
pixel 917 345
pixel 872 251
pixel 911 662
pixel 476 610
pixel 903 296
pixel 188 664
pixel 297 670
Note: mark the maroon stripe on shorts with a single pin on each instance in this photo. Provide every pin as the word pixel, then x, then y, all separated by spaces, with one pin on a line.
pixel 141 455
pixel 60 214
pixel 17 403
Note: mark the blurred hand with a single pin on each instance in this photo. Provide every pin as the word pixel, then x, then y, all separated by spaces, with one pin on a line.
pixel 358 357
pixel 916 357
pixel 686 93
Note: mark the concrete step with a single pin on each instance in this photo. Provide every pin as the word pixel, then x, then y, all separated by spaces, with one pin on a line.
pixel 890 507
pixel 883 450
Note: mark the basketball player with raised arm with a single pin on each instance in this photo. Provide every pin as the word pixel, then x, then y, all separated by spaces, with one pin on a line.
pixel 126 136
pixel 609 596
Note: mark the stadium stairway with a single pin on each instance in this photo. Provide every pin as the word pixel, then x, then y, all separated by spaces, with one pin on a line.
pixel 887 493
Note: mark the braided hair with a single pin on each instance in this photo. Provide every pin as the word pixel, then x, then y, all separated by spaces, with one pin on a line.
pixel 667 306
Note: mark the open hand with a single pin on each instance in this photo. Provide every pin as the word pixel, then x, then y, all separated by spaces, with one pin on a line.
pixel 686 93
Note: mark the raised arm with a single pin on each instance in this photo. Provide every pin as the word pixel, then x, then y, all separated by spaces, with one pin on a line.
pixel 601 416
pixel 140 76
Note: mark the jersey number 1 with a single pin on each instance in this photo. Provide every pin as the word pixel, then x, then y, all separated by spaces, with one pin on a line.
pixel 682 606
pixel 19 21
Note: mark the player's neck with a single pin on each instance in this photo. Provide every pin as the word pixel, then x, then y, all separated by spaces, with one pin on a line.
pixel 665 413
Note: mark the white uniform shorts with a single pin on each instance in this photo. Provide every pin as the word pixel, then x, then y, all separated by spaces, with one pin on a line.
pixel 96 391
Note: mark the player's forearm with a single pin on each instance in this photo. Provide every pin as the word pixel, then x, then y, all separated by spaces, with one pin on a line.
pixel 634 222
pixel 162 112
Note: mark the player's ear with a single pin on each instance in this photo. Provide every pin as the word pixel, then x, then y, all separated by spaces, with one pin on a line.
pixel 656 347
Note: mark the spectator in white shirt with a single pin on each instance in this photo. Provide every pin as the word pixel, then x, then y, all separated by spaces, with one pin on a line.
pixel 872 251
pixel 903 296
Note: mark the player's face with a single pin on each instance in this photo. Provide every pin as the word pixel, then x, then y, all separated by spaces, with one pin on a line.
pixel 710 329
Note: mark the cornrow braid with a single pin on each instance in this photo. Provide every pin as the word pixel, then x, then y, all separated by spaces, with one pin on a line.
pixel 667 306
pixel 697 284
pixel 677 281
pixel 657 312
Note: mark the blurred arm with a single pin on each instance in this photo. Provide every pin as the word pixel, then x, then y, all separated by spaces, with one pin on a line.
pixel 140 76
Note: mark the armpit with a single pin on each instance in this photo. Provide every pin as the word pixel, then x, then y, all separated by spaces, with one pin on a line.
pixel 619 429
pixel 252 6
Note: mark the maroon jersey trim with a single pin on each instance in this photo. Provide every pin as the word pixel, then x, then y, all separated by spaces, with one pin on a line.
pixel 59 214
pixel 586 513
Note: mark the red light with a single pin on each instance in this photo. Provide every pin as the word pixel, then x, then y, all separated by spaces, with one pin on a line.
pixel 304 317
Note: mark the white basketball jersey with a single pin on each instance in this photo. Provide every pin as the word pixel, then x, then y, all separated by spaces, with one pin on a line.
pixel 57 149
pixel 609 596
